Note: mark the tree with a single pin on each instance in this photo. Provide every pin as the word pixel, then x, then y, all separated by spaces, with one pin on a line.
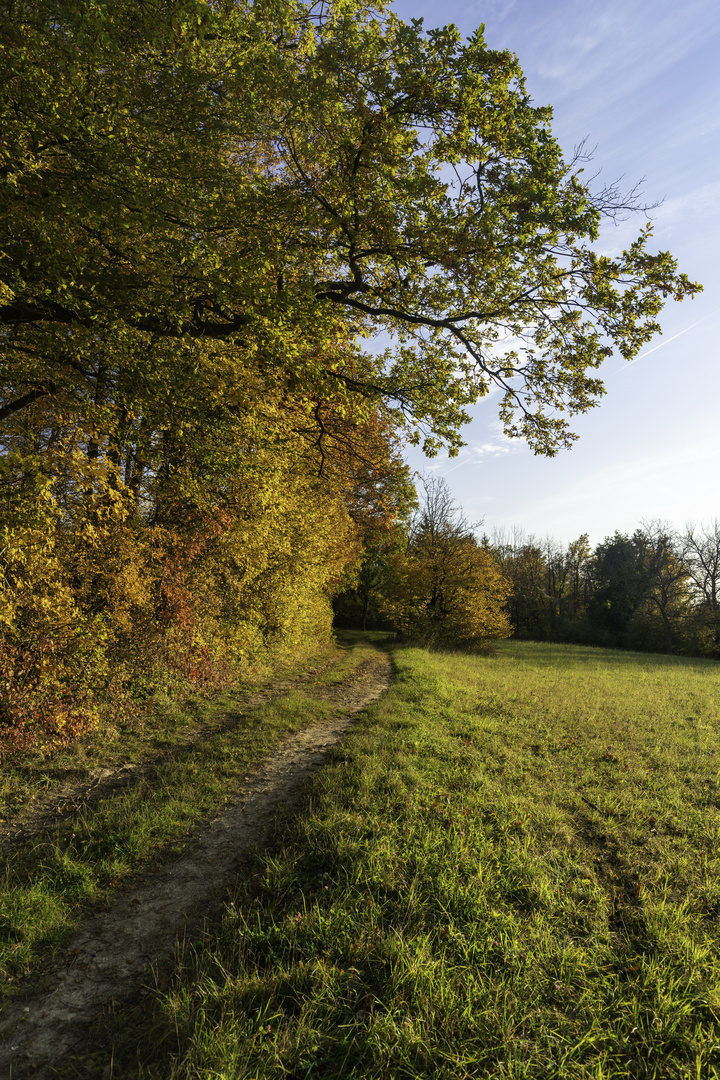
pixel 701 555
pixel 207 208
pixel 549 584
pixel 640 596
pixel 445 589
pixel 669 594
pixel 260 185
pixel 381 498
pixel 575 563
pixel 620 586
pixel 523 565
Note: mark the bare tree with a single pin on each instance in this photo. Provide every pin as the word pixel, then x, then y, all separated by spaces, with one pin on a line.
pixel 668 576
pixel 701 553
pixel 439 515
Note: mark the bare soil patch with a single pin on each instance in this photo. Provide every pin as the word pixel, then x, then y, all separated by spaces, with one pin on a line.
pixel 114 950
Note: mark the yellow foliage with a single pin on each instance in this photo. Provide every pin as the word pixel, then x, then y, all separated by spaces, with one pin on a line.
pixel 448 592
pixel 264 581
pixel 182 558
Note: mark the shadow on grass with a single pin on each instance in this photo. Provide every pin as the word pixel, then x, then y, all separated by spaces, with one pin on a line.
pixel 547 654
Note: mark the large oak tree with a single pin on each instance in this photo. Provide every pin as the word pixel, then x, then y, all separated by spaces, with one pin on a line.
pixel 263 184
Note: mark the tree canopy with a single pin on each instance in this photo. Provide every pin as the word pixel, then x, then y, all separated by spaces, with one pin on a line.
pixel 444 588
pixel 228 198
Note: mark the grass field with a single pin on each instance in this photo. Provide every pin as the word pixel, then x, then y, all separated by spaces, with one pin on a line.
pixel 510 869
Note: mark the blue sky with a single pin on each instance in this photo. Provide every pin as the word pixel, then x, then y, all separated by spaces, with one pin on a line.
pixel 641 81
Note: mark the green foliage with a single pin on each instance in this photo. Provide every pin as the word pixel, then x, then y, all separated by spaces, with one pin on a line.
pixel 211 207
pixel 359 603
pixel 654 590
pixel 206 210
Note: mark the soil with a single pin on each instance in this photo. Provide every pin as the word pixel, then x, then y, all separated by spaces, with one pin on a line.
pixel 115 950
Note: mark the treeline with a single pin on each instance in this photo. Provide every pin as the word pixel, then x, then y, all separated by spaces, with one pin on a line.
pixel 656 590
pixel 181 565
pixel 206 211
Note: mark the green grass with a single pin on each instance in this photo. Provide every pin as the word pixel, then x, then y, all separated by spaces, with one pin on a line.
pixel 47 885
pixel 510 869
pixel 165 719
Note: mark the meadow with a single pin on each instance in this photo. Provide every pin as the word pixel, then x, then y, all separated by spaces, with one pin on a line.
pixel 509 869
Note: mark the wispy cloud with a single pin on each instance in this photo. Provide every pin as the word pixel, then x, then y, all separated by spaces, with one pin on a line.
pixel 495 10
pixel 497 445
pixel 661 344
pixel 618 46
pixel 698 121
pixel 696 204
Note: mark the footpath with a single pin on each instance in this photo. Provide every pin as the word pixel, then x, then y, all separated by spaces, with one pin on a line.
pixel 115 952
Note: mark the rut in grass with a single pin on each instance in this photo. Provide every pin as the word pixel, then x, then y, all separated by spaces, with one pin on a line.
pixel 114 949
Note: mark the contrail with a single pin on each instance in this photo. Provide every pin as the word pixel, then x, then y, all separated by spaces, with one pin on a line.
pixel 666 342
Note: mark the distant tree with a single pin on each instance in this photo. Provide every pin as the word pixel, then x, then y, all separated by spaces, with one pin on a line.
pixel 357 605
pixel 621 585
pixel 701 554
pixel 653 590
pixel 523 565
pixel 668 594
pixel 640 596
pixel 445 588
pixel 566 587
pixel 529 604
pixel 577 563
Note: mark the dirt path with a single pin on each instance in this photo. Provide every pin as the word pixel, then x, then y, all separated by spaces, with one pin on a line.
pixel 72 796
pixel 113 949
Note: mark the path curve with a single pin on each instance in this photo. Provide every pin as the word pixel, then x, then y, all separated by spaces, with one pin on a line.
pixel 113 949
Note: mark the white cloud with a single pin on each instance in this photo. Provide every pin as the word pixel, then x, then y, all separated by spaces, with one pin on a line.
pixel 496 445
